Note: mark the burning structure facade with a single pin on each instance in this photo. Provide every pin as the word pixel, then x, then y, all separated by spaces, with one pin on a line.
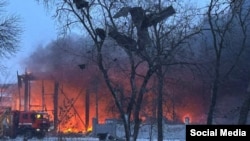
pixel 68 106
pixel 73 96
pixel 83 95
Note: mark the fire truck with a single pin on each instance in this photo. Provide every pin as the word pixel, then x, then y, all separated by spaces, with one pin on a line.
pixel 24 123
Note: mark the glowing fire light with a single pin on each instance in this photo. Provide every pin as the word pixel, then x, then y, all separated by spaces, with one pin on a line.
pixel 186 119
pixel 89 129
pixel 69 130
pixel 70 106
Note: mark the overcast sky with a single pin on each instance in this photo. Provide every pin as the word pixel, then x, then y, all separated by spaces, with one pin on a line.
pixel 38 29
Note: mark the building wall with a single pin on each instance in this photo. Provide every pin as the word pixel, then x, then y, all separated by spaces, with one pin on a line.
pixel 175 132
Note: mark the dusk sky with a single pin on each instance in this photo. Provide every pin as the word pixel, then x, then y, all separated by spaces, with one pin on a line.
pixel 38 29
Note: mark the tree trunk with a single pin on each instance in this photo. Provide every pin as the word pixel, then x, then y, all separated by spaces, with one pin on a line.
pixel 139 102
pixel 125 116
pixel 245 108
pixel 127 130
pixel 214 93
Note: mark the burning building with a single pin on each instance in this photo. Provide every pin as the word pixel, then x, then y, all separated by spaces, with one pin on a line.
pixel 74 96
pixel 71 106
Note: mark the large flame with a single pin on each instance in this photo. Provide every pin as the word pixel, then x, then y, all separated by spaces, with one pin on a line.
pixel 71 105
pixel 72 91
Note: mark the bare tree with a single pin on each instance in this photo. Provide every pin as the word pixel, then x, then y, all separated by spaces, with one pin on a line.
pixel 9 32
pixel 137 46
pixel 170 44
pixel 82 13
pixel 223 18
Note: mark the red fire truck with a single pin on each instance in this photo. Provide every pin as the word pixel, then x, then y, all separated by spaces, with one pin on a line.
pixel 26 123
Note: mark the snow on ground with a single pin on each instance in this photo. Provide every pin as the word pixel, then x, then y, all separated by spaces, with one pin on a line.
pixel 175 132
pixel 83 139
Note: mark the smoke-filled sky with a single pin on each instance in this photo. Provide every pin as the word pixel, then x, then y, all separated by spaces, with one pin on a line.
pixel 38 30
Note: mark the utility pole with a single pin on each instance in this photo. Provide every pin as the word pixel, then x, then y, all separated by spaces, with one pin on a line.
pixel 87 109
pixel 82 67
pixel 96 106
pixel 43 97
pixel 27 77
pixel 26 91
pixel 55 99
pixel 19 81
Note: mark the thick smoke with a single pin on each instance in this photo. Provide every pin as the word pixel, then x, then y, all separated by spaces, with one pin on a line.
pixel 59 61
pixel 185 91
pixel 56 58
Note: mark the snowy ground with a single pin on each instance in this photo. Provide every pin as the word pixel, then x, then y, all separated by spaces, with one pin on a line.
pixel 175 132
pixel 147 133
